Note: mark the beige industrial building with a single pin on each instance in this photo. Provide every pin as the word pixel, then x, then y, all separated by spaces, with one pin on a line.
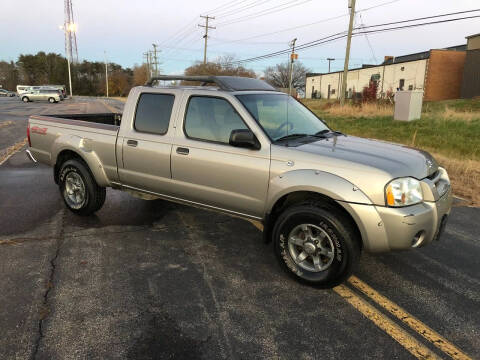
pixel 438 72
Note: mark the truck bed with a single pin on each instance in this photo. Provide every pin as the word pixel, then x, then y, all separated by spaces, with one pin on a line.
pixel 98 118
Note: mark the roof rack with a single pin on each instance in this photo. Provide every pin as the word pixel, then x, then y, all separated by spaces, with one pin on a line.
pixel 226 83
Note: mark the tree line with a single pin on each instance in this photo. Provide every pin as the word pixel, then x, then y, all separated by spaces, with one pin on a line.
pixel 88 78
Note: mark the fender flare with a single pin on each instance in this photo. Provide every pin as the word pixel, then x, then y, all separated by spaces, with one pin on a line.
pixel 325 183
pixel 81 147
pixel 320 182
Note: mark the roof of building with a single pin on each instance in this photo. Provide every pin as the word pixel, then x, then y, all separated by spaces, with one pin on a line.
pixel 401 59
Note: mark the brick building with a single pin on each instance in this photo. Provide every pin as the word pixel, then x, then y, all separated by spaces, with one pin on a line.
pixel 438 72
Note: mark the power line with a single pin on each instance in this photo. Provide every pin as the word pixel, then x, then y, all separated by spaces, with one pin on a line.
pixel 313 23
pixel 340 35
pixel 268 11
pixel 362 25
pixel 235 11
pixel 221 6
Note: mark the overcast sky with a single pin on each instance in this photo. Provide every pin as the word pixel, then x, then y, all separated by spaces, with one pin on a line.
pixel 125 29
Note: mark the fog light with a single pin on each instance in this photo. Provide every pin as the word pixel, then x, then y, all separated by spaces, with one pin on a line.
pixel 418 239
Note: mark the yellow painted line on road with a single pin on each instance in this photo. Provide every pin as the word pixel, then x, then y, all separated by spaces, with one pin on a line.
pixel 415 324
pixel 5 123
pixel 257 224
pixel 109 107
pixel 12 150
pixel 417 349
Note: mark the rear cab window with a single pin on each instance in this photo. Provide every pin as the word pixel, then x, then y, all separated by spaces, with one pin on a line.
pixel 153 113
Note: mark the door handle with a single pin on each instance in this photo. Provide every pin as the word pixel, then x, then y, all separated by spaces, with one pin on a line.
pixel 182 151
pixel 132 143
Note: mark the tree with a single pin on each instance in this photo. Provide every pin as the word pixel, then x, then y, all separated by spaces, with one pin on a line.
pixel 9 75
pixel 220 66
pixel 279 75
pixel 140 74
pixel 369 93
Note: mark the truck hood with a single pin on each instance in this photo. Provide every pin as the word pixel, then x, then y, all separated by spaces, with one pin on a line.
pixel 368 164
pixel 394 159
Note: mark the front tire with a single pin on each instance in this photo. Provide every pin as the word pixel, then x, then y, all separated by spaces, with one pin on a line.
pixel 25 99
pixel 51 100
pixel 79 189
pixel 317 245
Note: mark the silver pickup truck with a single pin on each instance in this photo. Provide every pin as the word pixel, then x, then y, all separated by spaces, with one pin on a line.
pixel 240 147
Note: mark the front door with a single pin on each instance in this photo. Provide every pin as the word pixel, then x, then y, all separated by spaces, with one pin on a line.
pixel 146 147
pixel 209 171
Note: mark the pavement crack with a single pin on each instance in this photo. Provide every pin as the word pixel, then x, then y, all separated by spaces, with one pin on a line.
pixel 45 309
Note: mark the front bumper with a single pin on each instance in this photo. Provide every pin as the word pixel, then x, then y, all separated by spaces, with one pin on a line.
pixel 417 225
pixel 388 228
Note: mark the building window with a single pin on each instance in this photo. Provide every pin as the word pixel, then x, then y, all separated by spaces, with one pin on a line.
pixel 410 87
pixel 402 68
pixel 333 91
pixel 401 84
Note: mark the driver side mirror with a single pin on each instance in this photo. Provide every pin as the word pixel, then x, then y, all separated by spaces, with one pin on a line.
pixel 244 138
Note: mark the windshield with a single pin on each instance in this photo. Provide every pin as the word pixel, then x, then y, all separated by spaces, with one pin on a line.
pixel 281 115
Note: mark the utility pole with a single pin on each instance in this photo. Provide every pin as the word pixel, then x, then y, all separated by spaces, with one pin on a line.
pixel 293 56
pixel 69 77
pixel 67 52
pixel 155 59
pixel 351 5
pixel 106 72
pixel 146 55
pixel 206 34
pixel 329 61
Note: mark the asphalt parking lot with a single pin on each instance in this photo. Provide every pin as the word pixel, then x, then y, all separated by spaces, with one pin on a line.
pixel 157 280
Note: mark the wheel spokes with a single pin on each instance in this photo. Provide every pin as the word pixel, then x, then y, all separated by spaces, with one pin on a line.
pixel 302 256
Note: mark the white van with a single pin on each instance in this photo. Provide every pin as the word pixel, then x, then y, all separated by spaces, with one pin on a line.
pixel 22 89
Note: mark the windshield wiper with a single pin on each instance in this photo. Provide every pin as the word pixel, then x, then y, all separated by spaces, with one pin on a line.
pixel 291 136
pixel 326 131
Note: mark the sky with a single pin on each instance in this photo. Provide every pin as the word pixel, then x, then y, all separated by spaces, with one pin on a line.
pixel 125 29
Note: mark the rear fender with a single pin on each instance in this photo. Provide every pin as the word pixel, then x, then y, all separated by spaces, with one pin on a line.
pixel 83 148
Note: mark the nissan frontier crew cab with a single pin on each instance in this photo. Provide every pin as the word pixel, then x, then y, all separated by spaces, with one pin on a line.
pixel 239 146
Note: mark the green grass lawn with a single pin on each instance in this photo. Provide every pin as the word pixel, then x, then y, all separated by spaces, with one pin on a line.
pixel 450 128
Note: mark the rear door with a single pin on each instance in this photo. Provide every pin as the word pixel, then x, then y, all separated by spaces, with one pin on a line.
pixel 209 171
pixel 147 143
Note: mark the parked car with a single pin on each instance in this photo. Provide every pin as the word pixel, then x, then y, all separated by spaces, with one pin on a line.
pixel 7 93
pixel 245 149
pixel 52 96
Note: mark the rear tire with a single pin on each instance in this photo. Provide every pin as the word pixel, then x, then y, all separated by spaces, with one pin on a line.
pixel 316 244
pixel 79 189
pixel 51 100
pixel 25 99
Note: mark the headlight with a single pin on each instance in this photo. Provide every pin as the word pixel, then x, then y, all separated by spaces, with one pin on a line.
pixel 403 192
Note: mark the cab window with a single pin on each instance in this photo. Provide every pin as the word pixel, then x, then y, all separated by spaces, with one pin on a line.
pixel 153 113
pixel 211 119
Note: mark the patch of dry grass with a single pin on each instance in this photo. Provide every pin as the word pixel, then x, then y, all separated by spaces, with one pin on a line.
pixel 120 98
pixel 464 176
pixel 361 110
pixel 453 114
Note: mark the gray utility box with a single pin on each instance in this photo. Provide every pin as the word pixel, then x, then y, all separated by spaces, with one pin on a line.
pixel 408 105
